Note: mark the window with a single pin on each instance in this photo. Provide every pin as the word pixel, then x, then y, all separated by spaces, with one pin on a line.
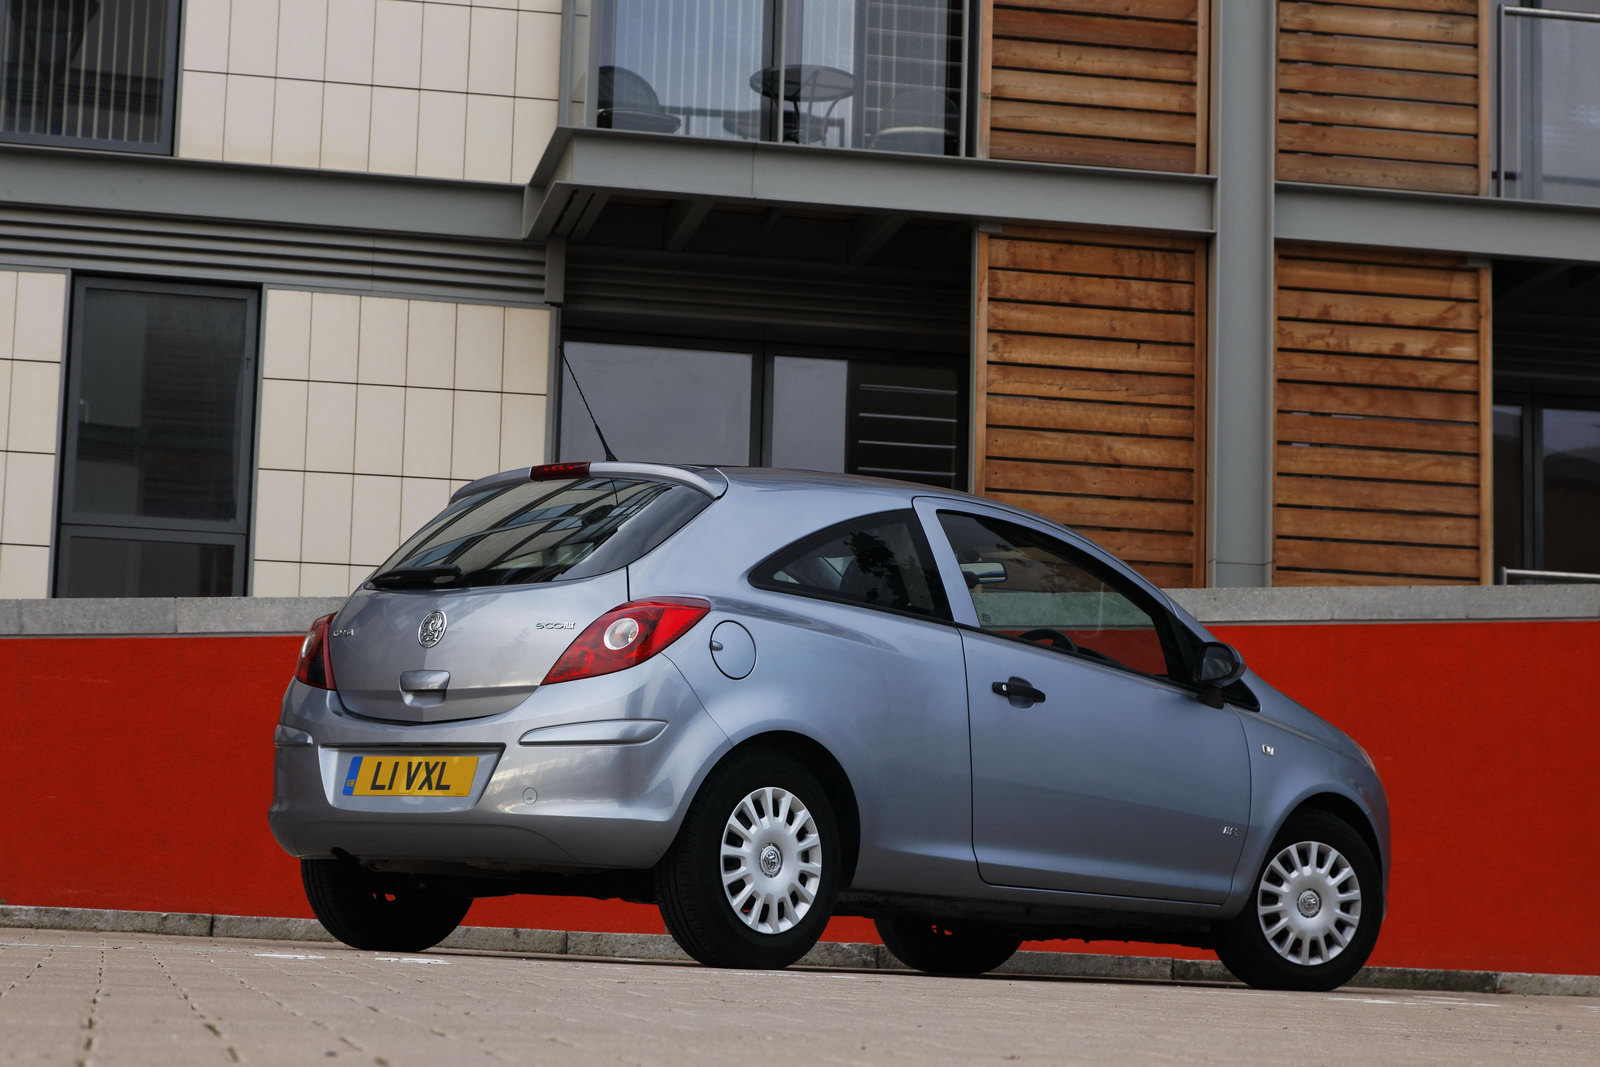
pixel 1547 484
pixel 97 73
pixel 541 531
pixel 155 500
pixel 766 406
pixel 879 561
pixel 880 74
pixel 1030 586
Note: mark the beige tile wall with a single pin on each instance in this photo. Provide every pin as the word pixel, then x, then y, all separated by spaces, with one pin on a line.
pixel 32 330
pixel 373 411
pixel 426 87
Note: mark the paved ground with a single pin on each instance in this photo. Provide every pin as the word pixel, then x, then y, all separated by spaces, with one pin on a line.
pixel 74 997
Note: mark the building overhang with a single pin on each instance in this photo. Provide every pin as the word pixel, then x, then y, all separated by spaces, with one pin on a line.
pixel 580 165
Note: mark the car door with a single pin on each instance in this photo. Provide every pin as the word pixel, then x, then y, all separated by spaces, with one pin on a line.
pixel 1093 769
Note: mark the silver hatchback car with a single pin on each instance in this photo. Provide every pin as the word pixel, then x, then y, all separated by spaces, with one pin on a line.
pixel 759 698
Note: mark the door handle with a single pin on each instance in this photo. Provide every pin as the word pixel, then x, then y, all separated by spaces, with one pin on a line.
pixel 1019 692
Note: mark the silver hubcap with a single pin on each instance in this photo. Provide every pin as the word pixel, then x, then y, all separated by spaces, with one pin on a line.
pixel 771 860
pixel 1309 903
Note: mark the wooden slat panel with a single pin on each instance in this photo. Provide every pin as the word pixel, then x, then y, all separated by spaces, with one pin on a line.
pixel 1374 463
pixel 1091 322
pixel 1285 577
pixel 1089 151
pixel 1080 257
pixel 1108 83
pixel 1377 340
pixel 1376 559
pixel 1027 411
pixel 1379 144
pixel 1118 32
pixel 1377 433
pixel 1103 62
pixel 1386 55
pixel 1381 114
pixel 1386 84
pixel 1377 310
pixel 1379 173
pixel 1376 496
pixel 1388 403
pixel 1374 278
pixel 1377 21
pixel 1378 370
pixel 1091 354
pixel 1382 93
pixel 1172 453
pixel 1035 117
pixel 1392 256
pixel 1063 383
pixel 1089 290
pixel 1091 388
pixel 1094 92
pixel 1371 526
pixel 1384 482
pixel 1064 478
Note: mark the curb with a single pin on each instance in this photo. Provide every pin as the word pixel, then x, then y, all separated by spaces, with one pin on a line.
pixel 827 954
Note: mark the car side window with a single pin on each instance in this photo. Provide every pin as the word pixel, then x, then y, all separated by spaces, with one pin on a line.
pixel 1028 585
pixel 880 561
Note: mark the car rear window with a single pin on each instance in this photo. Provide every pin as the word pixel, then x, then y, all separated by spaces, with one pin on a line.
pixel 541 531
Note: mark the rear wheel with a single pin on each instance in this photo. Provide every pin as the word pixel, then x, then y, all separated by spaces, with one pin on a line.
pixel 1313 918
pixel 751 879
pixel 379 913
pixel 946 948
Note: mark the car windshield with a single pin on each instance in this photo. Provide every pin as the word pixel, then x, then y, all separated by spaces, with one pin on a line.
pixel 536 531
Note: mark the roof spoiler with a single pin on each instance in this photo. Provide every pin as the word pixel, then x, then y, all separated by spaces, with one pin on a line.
pixel 707 480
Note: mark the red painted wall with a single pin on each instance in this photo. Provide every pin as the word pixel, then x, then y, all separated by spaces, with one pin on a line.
pixel 136 774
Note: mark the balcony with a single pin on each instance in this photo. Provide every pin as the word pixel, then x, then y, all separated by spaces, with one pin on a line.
pixel 883 75
pixel 1549 103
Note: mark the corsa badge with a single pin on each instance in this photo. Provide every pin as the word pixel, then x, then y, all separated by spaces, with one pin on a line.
pixel 431 630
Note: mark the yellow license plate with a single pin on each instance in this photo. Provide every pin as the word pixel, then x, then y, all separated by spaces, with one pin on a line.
pixel 410 776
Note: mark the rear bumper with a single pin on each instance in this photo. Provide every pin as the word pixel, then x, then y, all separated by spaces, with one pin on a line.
pixel 589 796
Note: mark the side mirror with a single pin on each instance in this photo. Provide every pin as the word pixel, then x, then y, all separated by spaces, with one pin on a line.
pixel 977 574
pixel 1217 667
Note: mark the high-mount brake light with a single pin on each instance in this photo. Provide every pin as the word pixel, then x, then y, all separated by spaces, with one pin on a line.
pixel 316 657
pixel 627 635
pixel 558 470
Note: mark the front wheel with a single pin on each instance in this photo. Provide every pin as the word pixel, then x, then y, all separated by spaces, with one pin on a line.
pixel 1313 918
pixel 751 878
pixel 369 911
pixel 943 948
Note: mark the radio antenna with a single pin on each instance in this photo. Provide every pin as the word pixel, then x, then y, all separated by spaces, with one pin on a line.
pixel 611 456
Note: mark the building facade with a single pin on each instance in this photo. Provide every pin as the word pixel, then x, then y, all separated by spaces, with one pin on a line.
pixel 1252 293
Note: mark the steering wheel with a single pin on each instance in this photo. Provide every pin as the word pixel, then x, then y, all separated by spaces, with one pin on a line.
pixel 1056 638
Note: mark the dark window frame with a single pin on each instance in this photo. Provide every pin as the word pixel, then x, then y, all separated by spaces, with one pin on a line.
pixel 1531 407
pixel 919 541
pixel 762 354
pixel 165 143
pixel 71 521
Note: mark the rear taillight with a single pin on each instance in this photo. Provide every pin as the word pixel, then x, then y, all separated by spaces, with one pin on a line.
pixel 627 635
pixel 316 658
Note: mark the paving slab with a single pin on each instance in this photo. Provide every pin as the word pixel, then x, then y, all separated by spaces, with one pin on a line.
pixel 89 997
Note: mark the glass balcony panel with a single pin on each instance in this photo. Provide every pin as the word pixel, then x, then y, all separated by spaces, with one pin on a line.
pixel 879 74
pixel 1550 100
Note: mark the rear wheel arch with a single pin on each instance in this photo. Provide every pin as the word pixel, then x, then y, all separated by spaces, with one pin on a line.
pixel 820 762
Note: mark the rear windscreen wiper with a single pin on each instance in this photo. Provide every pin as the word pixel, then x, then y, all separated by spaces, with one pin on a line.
pixel 418 577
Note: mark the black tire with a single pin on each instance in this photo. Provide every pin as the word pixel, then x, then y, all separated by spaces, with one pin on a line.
pixel 1243 944
pixel 377 913
pixel 946 948
pixel 702 915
